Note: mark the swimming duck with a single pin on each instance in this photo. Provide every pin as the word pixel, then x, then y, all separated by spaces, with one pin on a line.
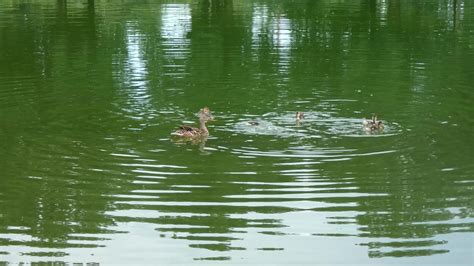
pixel 299 116
pixel 372 125
pixel 193 132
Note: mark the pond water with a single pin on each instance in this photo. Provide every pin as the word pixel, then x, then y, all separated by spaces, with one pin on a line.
pixel 90 92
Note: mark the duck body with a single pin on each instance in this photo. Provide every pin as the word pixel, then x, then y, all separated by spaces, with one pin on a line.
pixel 194 132
pixel 373 124
pixel 191 132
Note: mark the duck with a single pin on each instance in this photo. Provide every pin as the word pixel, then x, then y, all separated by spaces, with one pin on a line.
pixel 372 125
pixel 194 132
pixel 299 116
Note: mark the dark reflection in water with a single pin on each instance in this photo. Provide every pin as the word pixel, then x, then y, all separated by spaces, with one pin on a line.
pixel 90 92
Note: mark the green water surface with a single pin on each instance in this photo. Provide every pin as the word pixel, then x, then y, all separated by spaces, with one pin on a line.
pixel 91 90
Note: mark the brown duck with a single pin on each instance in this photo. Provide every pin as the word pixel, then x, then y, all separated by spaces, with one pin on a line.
pixel 372 125
pixel 194 132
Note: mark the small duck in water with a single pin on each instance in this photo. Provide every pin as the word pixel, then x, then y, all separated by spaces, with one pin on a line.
pixel 193 132
pixel 372 125
pixel 299 116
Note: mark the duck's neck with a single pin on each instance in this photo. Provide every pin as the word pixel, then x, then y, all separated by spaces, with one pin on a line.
pixel 203 127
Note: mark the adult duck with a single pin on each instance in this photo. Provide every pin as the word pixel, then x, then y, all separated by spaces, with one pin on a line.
pixel 194 132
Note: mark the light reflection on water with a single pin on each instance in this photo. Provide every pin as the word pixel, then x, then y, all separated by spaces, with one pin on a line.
pixel 90 172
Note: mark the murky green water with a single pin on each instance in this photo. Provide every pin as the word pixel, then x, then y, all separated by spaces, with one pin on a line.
pixel 90 92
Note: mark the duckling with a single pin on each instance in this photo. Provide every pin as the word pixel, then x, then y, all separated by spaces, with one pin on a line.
pixel 372 125
pixel 193 132
pixel 299 116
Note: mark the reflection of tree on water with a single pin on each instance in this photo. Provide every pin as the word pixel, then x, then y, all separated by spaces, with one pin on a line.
pixel 205 220
pixel 217 36
pixel 412 214
pixel 46 184
pixel 216 4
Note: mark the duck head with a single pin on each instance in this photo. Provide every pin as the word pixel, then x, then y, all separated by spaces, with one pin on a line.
pixel 299 116
pixel 205 115
pixel 379 125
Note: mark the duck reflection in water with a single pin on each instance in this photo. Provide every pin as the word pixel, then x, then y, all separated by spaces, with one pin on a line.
pixel 200 142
